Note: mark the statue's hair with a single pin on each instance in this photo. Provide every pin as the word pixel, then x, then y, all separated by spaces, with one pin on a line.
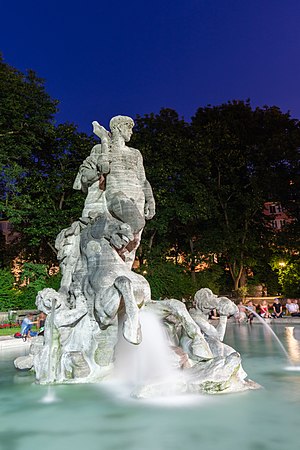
pixel 118 120
pixel 205 299
pixel 45 297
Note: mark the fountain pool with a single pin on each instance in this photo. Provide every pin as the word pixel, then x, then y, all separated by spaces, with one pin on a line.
pixel 101 417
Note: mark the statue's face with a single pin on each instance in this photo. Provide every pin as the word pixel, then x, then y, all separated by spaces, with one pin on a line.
pixel 125 131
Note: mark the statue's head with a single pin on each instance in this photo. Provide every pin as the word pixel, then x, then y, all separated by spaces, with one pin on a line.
pixel 205 300
pixel 45 299
pixel 122 125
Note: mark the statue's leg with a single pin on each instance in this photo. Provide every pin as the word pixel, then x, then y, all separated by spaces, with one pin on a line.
pixel 132 327
pixel 106 307
pixel 126 210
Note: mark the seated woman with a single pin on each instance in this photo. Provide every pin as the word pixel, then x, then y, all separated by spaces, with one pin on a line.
pixel 264 310
pixel 41 323
pixel 292 307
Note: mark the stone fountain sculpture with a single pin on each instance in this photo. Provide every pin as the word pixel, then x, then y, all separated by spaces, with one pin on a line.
pixel 100 294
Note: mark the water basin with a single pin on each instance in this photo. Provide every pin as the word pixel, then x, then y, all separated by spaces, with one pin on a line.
pixel 103 418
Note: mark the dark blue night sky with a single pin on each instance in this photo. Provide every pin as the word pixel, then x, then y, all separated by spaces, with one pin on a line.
pixel 102 58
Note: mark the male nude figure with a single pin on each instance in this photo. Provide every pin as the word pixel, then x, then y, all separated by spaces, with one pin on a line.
pixel 114 178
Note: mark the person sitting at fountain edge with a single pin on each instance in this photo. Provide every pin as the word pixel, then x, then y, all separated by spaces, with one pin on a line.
pixel 292 307
pixel 277 309
pixel 264 310
pixel 27 325
pixel 250 311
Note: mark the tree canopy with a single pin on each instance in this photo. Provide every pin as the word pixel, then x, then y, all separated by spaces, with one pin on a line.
pixel 210 177
pixel 38 163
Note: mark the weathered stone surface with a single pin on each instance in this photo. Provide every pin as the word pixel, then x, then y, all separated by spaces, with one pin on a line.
pixel 24 362
pixel 100 296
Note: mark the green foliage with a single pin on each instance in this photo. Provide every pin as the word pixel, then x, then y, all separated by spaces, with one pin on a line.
pixel 168 280
pixel 38 164
pixel 38 277
pixel 26 115
pixel 287 268
pixel 12 297
pixel 289 279
pixel 211 179
pixel 8 294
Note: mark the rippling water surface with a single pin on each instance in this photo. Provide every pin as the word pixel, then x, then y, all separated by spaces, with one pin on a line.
pixel 89 417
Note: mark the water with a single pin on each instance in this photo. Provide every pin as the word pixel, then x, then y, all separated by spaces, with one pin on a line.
pixel 265 324
pixel 92 417
pixel 51 328
pixel 150 361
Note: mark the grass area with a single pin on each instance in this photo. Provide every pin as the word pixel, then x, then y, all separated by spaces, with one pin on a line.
pixel 12 331
pixel 9 331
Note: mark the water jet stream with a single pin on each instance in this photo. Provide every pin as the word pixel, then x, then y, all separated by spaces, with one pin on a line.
pixel 267 326
pixel 50 396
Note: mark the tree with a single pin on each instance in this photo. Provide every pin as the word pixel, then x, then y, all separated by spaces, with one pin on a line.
pixel 211 179
pixel 165 142
pixel 38 162
pixel 252 156
pixel 45 201
pixel 26 115
pixel 7 291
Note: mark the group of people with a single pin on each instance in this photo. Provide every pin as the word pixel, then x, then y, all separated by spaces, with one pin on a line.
pixel 28 322
pixel 247 312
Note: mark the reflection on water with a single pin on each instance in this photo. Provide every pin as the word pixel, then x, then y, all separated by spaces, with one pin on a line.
pixel 257 339
pixel 92 417
pixel 293 345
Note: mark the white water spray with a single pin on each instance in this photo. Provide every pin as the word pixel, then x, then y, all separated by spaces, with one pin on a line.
pixel 267 326
pixel 151 359
pixel 50 397
pixel 148 370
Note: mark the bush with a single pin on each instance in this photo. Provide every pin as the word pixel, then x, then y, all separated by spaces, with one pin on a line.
pixel 8 294
pixel 12 298
pixel 168 280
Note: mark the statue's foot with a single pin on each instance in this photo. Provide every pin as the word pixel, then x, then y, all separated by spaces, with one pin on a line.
pixel 132 331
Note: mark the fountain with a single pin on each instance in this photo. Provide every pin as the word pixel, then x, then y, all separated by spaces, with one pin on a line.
pixel 101 298
pixel 103 331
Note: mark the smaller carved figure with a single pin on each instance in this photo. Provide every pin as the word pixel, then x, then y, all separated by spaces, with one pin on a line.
pixel 205 301
pixel 68 347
